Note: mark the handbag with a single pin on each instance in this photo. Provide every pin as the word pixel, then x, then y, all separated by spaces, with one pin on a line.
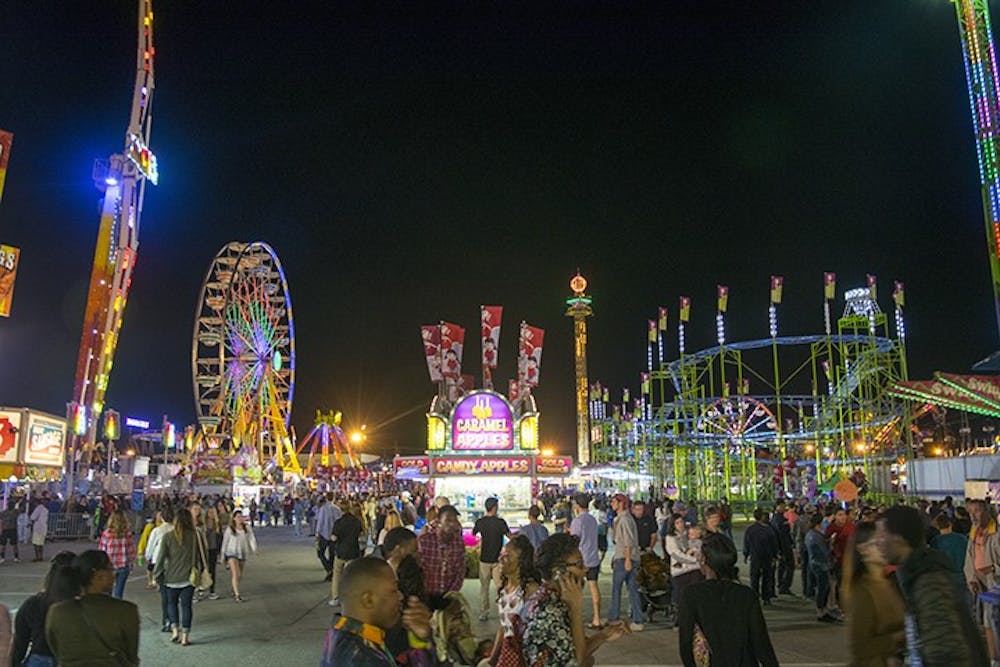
pixel 200 577
pixel 114 653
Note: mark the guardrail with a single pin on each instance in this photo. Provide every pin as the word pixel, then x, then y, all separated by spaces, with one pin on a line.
pixel 69 526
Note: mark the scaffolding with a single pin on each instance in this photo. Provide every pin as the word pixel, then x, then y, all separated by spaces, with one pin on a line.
pixel 750 420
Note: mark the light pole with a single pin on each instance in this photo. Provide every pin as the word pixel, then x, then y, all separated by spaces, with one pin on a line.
pixel 112 431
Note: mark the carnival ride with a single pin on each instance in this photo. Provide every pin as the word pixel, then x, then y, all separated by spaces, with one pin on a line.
pixel 243 358
pixel 123 179
pixel 714 423
pixel 327 432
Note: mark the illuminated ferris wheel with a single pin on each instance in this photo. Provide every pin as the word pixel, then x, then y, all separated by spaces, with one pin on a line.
pixel 243 353
pixel 737 419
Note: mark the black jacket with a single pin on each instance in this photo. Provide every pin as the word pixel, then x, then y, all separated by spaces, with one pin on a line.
pixel 939 626
pixel 730 617
pixel 760 541
pixel 784 530
pixel 347 529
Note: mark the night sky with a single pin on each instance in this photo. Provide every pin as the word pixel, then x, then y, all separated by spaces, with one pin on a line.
pixel 413 162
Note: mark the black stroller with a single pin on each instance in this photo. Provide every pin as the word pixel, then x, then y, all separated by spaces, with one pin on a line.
pixel 655 587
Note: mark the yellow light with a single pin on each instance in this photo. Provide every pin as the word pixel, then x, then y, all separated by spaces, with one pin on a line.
pixel 130 452
pixel 548 451
pixel 529 432
pixel 938 451
pixel 860 447
pixel 809 448
pixel 356 437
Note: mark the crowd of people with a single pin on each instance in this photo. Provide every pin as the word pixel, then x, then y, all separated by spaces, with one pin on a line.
pixel 906 580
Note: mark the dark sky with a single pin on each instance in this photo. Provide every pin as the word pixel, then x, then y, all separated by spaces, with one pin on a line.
pixel 412 162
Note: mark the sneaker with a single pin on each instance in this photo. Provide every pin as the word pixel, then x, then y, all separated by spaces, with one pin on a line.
pixel 334 602
pixel 636 627
pixel 213 596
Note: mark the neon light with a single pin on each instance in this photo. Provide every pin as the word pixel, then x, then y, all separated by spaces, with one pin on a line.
pixel 136 423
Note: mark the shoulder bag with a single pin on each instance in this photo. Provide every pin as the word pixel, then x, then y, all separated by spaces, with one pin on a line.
pixel 200 577
pixel 114 653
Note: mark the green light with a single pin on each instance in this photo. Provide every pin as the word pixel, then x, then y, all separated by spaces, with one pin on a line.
pixel 276 361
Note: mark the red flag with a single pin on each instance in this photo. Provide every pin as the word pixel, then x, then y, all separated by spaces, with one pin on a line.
pixel 490 334
pixel 452 343
pixel 829 285
pixel 530 362
pixel 431 334
pixel 873 287
pixel 662 319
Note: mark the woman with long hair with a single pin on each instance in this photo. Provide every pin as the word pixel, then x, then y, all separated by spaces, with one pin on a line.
pixel 179 554
pixel 92 628
pixel 874 606
pixel 237 543
pixel 213 541
pixel 117 541
pixel 30 647
pixel 518 582
pixel 684 557
pixel 392 520
pixel 720 620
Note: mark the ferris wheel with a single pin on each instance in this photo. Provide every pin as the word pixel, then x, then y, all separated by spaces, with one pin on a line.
pixel 736 419
pixel 243 353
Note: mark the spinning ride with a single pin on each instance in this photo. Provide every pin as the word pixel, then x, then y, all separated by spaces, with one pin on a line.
pixel 243 355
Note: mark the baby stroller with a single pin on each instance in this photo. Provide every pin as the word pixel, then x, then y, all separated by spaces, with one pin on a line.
pixel 655 586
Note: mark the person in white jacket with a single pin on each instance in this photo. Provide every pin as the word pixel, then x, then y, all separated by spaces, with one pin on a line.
pixel 152 549
pixel 685 568
pixel 237 543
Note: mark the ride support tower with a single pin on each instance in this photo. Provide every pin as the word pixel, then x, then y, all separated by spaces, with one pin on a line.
pixel 123 179
pixel 579 308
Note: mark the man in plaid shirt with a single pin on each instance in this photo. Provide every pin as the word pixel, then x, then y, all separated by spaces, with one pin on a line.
pixel 441 552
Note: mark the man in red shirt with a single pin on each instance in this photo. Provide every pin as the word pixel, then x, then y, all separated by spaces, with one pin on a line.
pixel 839 534
pixel 441 553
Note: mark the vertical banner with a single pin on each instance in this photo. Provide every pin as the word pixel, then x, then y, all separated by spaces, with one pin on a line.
pixel 531 354
pixel 431 335
pixel 662 319
pixel 684 312
pixel 898 295
pixel 873 287
pixel 452 343
pixel 723 292
pixel 6 140
pixel 644 383
pixel 829 286
pixel 651 330
pixel 777 282
pixel 9 258
pixel 490 317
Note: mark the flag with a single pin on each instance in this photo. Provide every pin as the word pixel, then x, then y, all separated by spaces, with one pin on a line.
pixel 530 358
pixel 777 282
pixel 645 382
pixel 490 335
pixel 662 321
pixel 684 313
pixel 431 334
pixel 872 287
pixel 723 298
pixel 651 326
pixel 452 343
pixel 604 396
pixel 830 285
pixel 6 139
pixel 898 295
pixel 625 396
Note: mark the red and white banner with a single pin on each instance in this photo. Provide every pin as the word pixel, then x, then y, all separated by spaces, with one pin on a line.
pixel 490 316
pixel 530 359
pixel 512 391
pixel 431 334
pixel 452 344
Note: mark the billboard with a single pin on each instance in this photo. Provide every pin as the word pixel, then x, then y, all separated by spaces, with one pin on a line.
pixel 491 465
pixel 9 259
pixel 10 435
pixel 482 421
pixel 46 441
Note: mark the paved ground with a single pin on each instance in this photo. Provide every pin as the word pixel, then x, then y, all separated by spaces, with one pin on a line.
pixel 285 616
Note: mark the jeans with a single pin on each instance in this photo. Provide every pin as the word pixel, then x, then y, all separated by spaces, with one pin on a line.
pixel 213 560
pixel 619 577
pixel 39 661
pixel 179 600
pixel 808 589
pixel 121 578
pixel 786 570
pixel 324 550
pixel 487 572
pixel 762 577
pixel 164 605
pixel 821 580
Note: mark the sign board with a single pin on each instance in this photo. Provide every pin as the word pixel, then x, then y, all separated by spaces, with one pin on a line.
pixel 553 465
pixel 486 465
pixel 482 421
pixel 10 435
pixel 46 441
pixel 412 466
pixel 9 259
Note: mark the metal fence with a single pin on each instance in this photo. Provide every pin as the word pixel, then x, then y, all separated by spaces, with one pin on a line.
pixel 69 526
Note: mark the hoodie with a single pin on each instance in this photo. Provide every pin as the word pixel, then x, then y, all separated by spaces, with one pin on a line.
pixel 939 627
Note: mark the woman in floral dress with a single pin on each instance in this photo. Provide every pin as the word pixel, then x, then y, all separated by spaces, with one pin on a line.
pixel 553 616
pixel 518 582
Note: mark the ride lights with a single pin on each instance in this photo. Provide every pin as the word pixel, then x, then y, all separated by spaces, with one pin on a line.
pixel 112 425
pixel 680 337
pixel 900 326
pixel 720 328
pixel 772 320
pixel 169 435
pixel 79 415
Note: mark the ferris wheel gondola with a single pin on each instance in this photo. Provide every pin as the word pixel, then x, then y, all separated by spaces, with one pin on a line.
pixel 243 354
